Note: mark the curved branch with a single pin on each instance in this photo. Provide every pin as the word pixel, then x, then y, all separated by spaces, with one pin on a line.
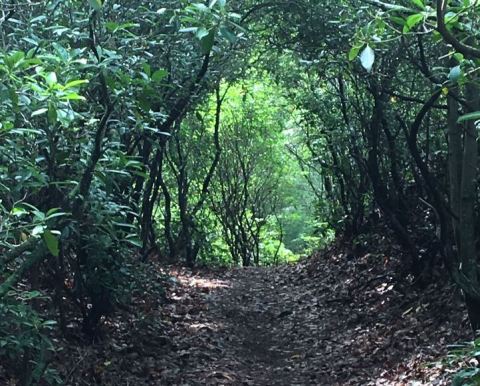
pixel 18 250
pixel 462 48
pixel 218 150
pixel 36 256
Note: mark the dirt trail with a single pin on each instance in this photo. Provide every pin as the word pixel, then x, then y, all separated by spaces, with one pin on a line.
pixel 326 321
pixel 252 311
pixel 248 321
pixel 311 324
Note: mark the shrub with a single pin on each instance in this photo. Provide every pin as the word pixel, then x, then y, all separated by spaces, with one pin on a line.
pixel 25 348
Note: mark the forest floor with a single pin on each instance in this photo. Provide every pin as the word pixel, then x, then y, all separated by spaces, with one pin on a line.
pixel 326 321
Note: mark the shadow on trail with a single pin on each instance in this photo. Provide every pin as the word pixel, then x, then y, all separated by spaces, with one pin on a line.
pixel 323 322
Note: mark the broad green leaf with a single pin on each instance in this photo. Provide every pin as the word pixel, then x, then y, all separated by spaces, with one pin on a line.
pixel 60 214
pixel 134 241
pixel 458 57
pixel 51 241
pixel 72 97
pixel 221 3
pixel 39 215
pixel 113 27
pixel 52 211
pixel 398 20
pixel 147 69
pixel 353 53
pixel 412 21
pixel 75 83
pixel 451 18
pixel 95 4
pixel 62 52
pixel 39 112
pixel 49 323
pixel 419 3
pixel 201 7
pixel 18 211
pixel 189 29
pixel 367 58
pixel 31 41
pixel 207 42
pixel 51 79
pixel 234 15
pixel 38 19
pixel 455 74
pixel 159 75
pixel 38 230
pixel 201 33
pixel 6 126
pixel 469 117
pixel 226 33
pixel 15 58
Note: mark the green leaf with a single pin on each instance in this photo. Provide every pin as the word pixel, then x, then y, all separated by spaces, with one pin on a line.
pixel 412 21
pixel 31 41
pixel 114 27
pixel 135 242
pixel 14 59
pixel 39 229
pixel 189 29
pixel 469 117
pixel 455 74
pixel 18 211
pixel 226 33
pixel 419 3
pixel 39 112
pixel 40 216
pixel 207 42
pixel 200 7
pixel 367 58
pixel 159 75
pixel 48 323
pixel 201 33
pixel 95 4
pixel 353 53
pixel 60 214
pixel 52 211
pixel 73 96
pixel 51 242
pixel 398 20
pixel 221 3
pixel 450 18
pixel 458 57
pixel 75 83
pixel 51 79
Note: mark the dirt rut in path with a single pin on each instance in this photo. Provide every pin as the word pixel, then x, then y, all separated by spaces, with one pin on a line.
pixel 237 341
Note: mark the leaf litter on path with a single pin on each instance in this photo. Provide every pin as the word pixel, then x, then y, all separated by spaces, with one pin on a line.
pixel 327 320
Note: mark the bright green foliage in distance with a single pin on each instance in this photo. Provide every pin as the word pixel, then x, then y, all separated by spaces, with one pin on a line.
pixel 279 126
pixel 258 117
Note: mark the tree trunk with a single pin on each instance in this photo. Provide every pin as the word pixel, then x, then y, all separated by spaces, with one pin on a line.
pixel 467 235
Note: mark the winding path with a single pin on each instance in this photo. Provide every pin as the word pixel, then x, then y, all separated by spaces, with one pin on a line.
pixel 297 325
